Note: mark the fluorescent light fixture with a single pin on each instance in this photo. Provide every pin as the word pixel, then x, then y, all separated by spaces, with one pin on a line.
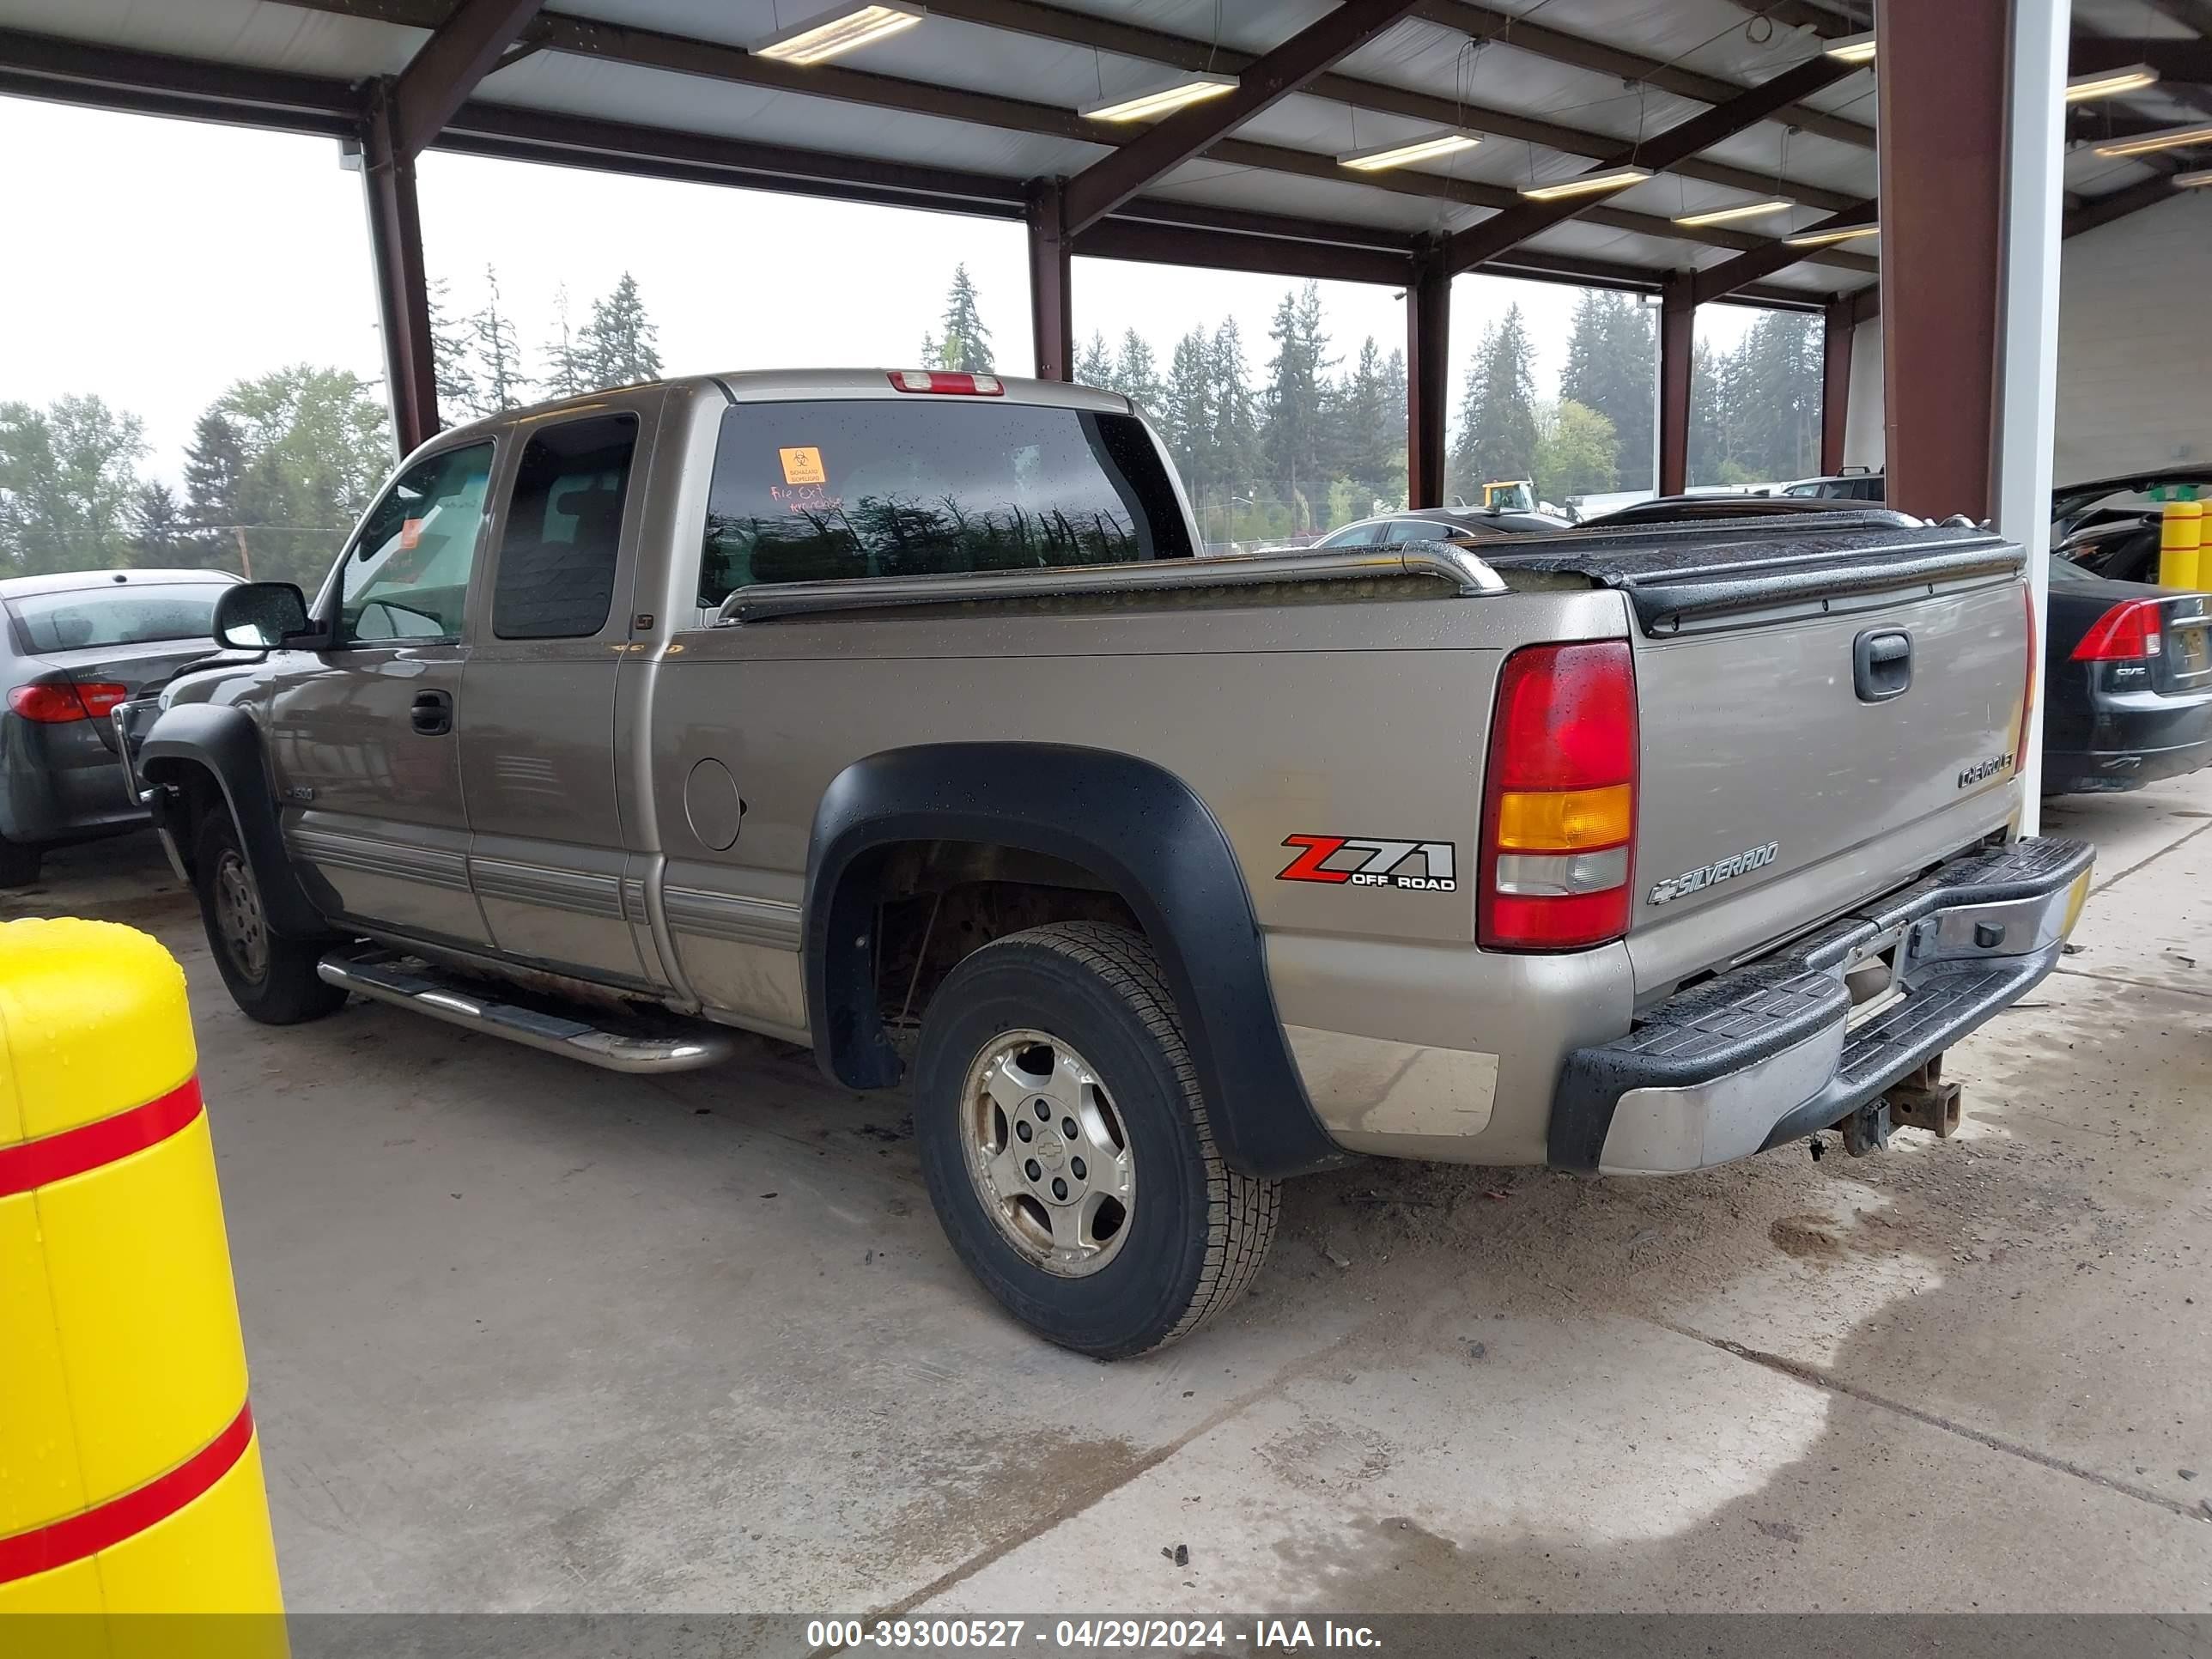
pixel 2110 83
pixel 2196 180
pixel 845 29
pixel 1160 101
pixel 2164 138
pixel 1729 215
pixel 1852 48
pixel 1445 141
pixel 1589 185
pixel 1818 237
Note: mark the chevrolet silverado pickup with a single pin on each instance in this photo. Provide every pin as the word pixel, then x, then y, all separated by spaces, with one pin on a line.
pixel 890 714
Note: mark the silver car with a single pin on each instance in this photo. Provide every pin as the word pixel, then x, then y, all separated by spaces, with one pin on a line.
pixel 75 646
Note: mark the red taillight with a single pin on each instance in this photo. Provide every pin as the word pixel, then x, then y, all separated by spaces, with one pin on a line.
pixel 2129 632
pixel 943 380
pixel 59 703
pixel 1559 815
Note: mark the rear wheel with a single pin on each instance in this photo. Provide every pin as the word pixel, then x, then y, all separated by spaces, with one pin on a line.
pixel 271 978
pixel 1066 1147
pixel 19 864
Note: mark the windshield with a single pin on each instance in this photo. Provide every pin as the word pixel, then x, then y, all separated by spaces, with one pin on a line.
pixel 861 487
pixel 119 615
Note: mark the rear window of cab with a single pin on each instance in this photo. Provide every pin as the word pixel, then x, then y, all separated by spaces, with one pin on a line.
pixel 850 489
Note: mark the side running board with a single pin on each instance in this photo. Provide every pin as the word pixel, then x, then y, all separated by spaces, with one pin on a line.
pixel 407 984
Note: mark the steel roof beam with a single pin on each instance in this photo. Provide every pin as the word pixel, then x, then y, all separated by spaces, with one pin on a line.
pixel 651 48
pixel 1759 263
pixel 1526 34
pixel 1076 28
pixel 444 72
pixel 1493 236
pixel 1106 184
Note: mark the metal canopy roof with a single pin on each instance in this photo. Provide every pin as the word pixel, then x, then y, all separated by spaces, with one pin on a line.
pixel 966 109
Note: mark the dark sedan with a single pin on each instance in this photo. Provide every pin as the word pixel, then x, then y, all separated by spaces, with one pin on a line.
pixel 2128 692
pixel 72 647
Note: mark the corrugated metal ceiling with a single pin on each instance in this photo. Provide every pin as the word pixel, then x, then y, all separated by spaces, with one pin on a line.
pixel 1715 39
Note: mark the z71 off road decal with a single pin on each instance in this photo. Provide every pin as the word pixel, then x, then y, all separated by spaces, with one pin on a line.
pixel 1371 863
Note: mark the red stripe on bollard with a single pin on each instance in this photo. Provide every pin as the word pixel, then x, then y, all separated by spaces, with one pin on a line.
pixel 73 1151
pixel 87 1533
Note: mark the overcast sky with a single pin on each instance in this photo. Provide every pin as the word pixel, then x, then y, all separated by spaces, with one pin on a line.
pixel 174 257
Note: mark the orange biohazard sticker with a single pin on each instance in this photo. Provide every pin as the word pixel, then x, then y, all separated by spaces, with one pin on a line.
pixel 803 466
pixel 410 533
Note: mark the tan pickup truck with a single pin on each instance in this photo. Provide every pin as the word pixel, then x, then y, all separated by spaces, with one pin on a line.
pixel 890 714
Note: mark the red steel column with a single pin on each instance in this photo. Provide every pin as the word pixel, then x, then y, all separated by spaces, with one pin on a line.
pixel 1943 124
pixel 402 295
pixel 1052 305
pixel 1428 374
pixel 1678 342
pixel 1835 384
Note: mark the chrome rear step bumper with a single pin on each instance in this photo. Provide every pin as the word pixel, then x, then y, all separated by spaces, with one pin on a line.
pixel 1752 1059
pixel 407 984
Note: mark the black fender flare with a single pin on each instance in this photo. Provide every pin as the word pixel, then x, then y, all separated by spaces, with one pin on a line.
pixel 223 741
pixel 1136 827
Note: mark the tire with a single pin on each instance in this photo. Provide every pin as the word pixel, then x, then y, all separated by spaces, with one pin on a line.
pixel 272 980
pixel 1057 1004
pixel 19 864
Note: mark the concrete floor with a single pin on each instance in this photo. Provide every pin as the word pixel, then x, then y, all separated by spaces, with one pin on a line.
pixel 530 1336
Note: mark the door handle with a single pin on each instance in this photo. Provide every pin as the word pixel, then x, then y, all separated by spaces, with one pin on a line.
pixel 433 713
pixel 1881 664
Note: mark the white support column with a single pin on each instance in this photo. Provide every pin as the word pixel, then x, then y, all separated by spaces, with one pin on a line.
pixel 2027 336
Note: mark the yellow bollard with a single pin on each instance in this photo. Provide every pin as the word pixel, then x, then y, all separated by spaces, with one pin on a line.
pixel 130 1473
pixel 2180 534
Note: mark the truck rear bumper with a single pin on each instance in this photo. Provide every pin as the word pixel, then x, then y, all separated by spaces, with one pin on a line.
pixel 1771 1051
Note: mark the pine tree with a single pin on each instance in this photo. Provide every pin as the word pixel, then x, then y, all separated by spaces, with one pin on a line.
pixel 159 534
pixel 1611 368
pixel 453 354
pixel 965 343
pixel 1235 456
pixel 1296 376
pixel 499 357
pixel 1498 414
pixel 620 345
pixel 1396 398
pixel 1136 376
pixel 1711 385
pixel 1095 366
pixel 215 470
pixel 1186 417
pixel 1371 429
pixel 564 368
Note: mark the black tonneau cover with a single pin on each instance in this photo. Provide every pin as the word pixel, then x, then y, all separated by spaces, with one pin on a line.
pixel 1672 573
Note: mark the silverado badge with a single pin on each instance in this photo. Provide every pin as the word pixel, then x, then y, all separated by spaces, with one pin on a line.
pixel 1697 880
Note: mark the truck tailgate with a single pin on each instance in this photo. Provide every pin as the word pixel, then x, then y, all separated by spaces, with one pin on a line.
pixel 1827 705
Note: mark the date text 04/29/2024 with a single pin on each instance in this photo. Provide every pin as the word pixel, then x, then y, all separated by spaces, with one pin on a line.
pixel 1091 1634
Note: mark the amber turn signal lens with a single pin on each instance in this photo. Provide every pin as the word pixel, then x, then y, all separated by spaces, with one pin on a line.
pixel 1564 820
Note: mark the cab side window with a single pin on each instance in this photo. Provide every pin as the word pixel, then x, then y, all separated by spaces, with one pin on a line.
pixel 563 535
pixel 407 576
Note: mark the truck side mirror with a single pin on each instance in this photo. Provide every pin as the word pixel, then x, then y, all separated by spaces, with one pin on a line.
pixel 260 616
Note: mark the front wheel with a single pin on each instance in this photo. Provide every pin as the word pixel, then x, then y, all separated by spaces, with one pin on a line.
pixel 271 978
pixel 1066 1148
